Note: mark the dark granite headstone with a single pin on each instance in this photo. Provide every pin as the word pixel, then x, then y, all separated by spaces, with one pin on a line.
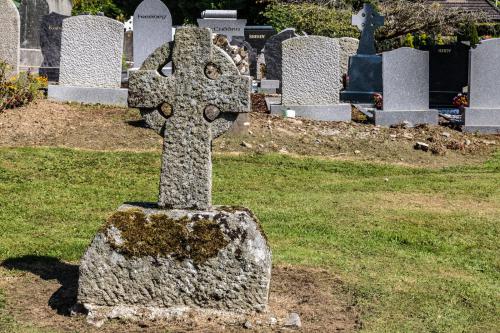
pixel 50 42
pixel 449 74
pixel 365 68
pixel 257 36
pixel 273 54
pixel 32 13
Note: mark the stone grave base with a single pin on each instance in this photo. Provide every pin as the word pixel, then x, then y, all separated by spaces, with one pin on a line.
pixel 485 121
pixel 357 97
pixel 414 118
pixel 337 112
pixel 150 263
pixel 86 95
pixel 269 86
pixel 30 59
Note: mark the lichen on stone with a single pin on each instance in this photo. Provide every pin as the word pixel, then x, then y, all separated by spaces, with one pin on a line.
pixel 161 236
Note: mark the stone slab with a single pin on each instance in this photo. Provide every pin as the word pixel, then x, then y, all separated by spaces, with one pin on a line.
pixel 348 48
pixel 228 27
pixel 257 36
pixel 152 29
pixel 337 112
pixel 414 118
pixel 214 260
pixel 10 29
pixel 311 72
pixel 32 13
pixel 30 58
pixel 406 80
pixel 273 54
pixel 89 95
pixel 269 86
pixel 484 72
pixel 485 121
pixel 364 79
pixel 91 52
pixel 63 7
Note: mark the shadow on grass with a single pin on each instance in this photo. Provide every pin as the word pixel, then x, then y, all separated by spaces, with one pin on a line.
pixel 49 268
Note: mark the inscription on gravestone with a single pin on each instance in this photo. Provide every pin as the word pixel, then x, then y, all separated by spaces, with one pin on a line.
pixel 32 13
pixel 152 29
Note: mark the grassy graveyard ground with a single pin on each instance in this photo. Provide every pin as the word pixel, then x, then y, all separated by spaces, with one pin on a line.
pixel 379 243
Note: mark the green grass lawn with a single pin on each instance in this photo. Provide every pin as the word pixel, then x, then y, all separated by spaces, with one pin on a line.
pixel 418 248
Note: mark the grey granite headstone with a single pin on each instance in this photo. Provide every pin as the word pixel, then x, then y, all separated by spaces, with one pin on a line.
pixel 63 7
pixel 9 34
pixel 224 22
pixel 91 62
pixel 205 100
pixel 32 13
pixel 311 79
pixel 50 42
pixel 199 259
pixel 152 29
pixel 483 114
pixel 91 52
pixel 406 89
pixel 273 54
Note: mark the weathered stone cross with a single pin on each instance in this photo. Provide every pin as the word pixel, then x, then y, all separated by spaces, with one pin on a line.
pixel 199 102
pixel 367 20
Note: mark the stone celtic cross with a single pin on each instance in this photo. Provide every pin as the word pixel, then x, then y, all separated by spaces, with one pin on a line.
pixel 199 102
pixel 368 21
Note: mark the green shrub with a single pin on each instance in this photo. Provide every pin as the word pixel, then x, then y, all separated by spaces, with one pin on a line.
pixel 108 7
pixel 408 41
pixel 18 90
pixel 312 19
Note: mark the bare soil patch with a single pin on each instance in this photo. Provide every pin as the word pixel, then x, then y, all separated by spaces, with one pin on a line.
pixel 48 123
pixel 40 292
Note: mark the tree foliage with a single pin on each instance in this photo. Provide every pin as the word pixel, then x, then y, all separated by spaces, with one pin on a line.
pixel 314 19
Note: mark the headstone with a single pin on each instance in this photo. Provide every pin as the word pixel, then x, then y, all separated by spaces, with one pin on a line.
pixel 9 35
pixel 224 22
pixel 365 68
pixel 449 73
pixel 152 29
pixel 199 259
pixel 32 13
pixel 63 7
pixel 273 54
pixel 91 61
pixel 311 79
pixel 406 89
pixel 128 46
pixel 50 42
pixel 348 48
pixel 483 113
pixel 257 36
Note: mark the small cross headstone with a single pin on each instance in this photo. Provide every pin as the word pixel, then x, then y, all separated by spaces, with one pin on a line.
pixel 32 13
pixel 9 34
pixel 199 102
pixel 368 21
pixel 152 26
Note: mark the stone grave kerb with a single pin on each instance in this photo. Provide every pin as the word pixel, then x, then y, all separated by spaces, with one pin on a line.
pixel 190 108
pixel 368 21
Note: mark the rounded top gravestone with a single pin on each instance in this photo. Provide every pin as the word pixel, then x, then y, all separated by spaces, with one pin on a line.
pixel 9 34
pixel 152 29
pixel 311 73
pixel 91 52
pixel 273 53
pixel 32 13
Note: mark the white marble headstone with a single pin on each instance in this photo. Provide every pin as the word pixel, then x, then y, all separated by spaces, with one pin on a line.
pixel 10 28
pixel 311 71
pixel 152 28
pixel 91 52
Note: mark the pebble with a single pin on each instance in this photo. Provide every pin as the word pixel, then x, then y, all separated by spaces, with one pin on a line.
pixel 246 144
pixel 357 152
pixel 273 321
pixel 446 134
pixel 421 146
pixel 467 142
pixel 407 136
pixel 293 321
pixel 247 325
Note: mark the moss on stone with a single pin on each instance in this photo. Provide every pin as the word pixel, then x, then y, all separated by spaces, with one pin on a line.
pixel 161 236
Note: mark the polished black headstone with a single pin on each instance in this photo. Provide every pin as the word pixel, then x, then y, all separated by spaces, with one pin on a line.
pixel 257 36
pixel 31 13
pixel 449 73
pixel 50 42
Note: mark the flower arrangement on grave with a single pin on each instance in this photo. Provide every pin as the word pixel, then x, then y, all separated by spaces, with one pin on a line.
pixel 460 101
pixel 378 100
pixel 18 90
